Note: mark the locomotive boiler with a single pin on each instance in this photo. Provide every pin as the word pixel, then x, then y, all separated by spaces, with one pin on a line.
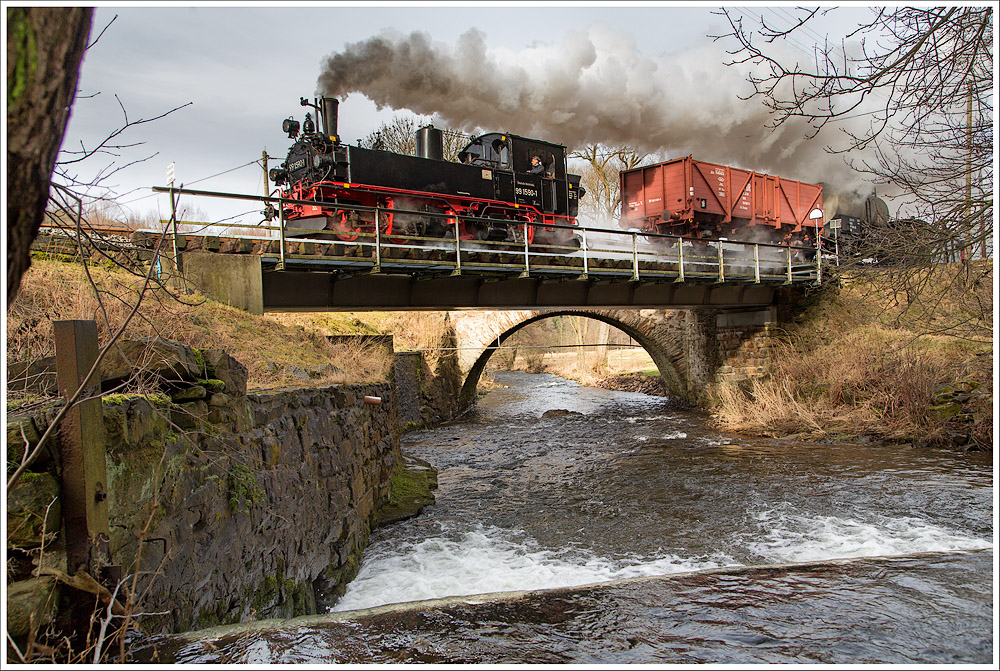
pixel 504 186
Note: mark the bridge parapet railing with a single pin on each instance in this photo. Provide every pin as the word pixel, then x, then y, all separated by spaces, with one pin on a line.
pixel 596 251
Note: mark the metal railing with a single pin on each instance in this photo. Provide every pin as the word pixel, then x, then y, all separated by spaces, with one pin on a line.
pixel 600 251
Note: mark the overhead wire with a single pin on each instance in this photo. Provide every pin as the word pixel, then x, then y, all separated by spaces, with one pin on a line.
pixel 197 181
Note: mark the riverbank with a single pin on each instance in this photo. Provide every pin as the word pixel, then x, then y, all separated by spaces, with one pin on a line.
pixel 279 350
pixel 850 367
pixel 240 442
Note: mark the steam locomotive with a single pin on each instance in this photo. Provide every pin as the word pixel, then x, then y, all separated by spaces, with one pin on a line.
pixel 496 191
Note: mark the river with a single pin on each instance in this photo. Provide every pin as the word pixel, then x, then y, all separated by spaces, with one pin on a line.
pixel 629 532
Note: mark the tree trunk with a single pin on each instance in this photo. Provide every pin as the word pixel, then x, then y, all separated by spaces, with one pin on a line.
pixel 603 338
pixel 45 46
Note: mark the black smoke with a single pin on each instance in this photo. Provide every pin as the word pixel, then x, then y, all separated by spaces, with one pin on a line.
pixel 592 87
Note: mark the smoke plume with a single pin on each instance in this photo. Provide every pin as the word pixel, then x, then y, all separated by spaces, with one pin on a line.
pixel 592 87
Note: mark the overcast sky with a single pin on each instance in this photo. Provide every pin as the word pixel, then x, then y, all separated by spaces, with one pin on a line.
pixel 244 68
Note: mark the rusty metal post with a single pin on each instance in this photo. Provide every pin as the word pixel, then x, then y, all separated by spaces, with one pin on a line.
pixel 81 438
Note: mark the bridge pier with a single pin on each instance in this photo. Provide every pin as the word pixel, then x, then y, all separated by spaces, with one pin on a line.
pixel 234 279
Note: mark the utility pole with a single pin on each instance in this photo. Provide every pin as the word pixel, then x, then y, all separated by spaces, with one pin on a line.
pixel 267 182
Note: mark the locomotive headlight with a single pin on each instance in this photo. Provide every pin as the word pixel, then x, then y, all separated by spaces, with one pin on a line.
pixel 277 175
pixel 290 126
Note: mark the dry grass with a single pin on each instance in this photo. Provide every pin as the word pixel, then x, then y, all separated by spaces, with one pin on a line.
pixel 267 347
pixel 566 362
pixel 410 330
pixel 872 381
pixel 954 300
pixel 875 357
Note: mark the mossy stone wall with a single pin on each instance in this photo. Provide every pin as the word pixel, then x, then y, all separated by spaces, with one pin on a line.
pixel 238 507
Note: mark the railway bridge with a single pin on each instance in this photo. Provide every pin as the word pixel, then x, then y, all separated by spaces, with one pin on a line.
pixel 705 314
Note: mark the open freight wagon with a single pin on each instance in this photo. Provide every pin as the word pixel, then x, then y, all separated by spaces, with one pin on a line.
pixel 706 200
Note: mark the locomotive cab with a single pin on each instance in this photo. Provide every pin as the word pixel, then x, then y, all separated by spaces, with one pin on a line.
pixel 549 187
pixel 503 151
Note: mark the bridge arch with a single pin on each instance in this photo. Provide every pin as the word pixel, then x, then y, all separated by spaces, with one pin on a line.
pixel 667 353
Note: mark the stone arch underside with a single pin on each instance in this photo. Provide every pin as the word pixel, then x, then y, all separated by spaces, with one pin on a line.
pixel 668 353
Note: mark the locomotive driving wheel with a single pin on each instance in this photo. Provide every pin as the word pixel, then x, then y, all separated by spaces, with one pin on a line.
pixel 342 226
pixel 518 229
pixel 348 225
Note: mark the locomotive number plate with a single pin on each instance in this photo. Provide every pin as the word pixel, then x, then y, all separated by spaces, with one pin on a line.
pixel 487 174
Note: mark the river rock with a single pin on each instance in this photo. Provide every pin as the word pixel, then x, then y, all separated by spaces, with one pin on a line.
pixel 195 392
pixel 560 413
pixel 20 430
pixel 30 600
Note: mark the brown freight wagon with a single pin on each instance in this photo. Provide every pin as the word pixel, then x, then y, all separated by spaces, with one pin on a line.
pixel 706 200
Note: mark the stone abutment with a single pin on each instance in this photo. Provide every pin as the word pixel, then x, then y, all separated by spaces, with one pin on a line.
pixel 693 349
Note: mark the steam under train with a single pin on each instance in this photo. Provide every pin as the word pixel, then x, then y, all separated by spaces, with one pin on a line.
pixel 490 194
pixel 494 190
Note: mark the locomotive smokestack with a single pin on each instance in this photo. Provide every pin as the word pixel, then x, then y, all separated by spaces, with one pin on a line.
pixel 430 143
pixel 329 107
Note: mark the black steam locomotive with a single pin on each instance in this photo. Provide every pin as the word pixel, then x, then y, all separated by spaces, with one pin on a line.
pixel 503 187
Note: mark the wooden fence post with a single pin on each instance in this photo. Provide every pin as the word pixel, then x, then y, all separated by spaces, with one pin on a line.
pixel 81 438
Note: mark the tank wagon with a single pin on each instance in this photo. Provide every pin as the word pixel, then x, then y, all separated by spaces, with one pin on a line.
pixel 495 192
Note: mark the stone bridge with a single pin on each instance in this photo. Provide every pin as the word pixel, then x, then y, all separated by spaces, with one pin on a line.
pixel 692 348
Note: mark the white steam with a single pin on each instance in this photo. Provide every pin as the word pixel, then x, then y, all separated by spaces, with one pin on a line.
pixel 591 87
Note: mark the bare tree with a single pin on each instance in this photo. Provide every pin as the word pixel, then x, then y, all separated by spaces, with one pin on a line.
pixel 599 176
pixel 44 48
pixel 400 136
pixel 910 90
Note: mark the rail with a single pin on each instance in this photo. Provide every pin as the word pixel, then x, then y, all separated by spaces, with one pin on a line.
pixel 602 252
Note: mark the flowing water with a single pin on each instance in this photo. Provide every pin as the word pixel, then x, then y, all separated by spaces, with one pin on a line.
pixel 656 539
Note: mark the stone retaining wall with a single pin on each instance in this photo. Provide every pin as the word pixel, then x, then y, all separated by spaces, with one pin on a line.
pixel 227 506
pixel 261 511
pixel 233 508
